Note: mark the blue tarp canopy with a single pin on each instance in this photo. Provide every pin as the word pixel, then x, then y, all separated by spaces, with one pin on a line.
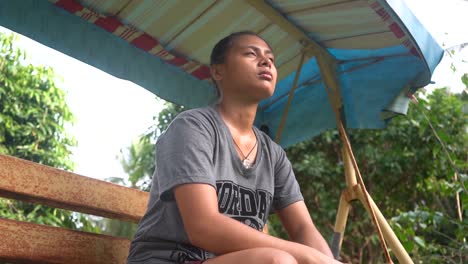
pixel 382 52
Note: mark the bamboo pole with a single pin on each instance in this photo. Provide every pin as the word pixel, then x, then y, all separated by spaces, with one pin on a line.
pixel 340 226
pixel 344 205
pixel 387 231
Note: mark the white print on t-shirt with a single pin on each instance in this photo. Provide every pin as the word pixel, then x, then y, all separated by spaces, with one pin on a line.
pixel 245 205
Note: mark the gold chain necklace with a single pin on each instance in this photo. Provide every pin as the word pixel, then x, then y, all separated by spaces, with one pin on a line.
pixel 245 158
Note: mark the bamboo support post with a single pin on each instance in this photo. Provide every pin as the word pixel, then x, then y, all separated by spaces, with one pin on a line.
pixel 340 226
pixel 387 231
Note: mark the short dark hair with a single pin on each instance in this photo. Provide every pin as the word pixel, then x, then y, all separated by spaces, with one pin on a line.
pixel 219 51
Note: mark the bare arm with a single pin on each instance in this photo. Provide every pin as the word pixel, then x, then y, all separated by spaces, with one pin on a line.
pixel 301 229
pixel 217 233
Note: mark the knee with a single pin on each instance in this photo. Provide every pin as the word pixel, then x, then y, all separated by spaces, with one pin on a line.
pixel 276 256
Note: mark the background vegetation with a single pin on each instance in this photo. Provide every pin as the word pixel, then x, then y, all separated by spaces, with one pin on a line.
pixel 415 169
pixel 33 117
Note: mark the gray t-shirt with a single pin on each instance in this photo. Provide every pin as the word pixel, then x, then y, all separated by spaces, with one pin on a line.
pixel 198 148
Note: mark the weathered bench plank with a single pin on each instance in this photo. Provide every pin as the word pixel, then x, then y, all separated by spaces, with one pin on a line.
pixel 33 243
pixel 32 182
pixel 22 242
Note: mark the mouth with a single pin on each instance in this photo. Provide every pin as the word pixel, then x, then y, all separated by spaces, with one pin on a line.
pixel 265 75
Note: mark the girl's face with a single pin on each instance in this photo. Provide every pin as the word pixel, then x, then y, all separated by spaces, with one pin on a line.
pixel 249 70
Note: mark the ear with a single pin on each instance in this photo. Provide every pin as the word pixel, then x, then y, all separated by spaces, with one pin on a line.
pixel 216 72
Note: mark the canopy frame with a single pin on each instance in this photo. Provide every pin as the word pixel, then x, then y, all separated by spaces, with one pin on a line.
pixel 36 27
pixel 355 189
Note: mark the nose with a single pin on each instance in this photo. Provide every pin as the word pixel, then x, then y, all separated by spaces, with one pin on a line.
pixel 265 61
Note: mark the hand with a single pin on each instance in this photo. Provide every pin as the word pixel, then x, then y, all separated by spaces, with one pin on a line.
pixel 308 255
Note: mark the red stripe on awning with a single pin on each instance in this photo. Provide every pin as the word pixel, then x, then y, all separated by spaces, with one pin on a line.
pixel 415 52
pixel 69 5
pixel 108 23
pixel 202 73
pixel 395 28
pixel 178 61
pixel 145 42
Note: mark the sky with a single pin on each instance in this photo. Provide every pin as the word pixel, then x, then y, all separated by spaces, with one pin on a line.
pixel 111 113
pixel 447 22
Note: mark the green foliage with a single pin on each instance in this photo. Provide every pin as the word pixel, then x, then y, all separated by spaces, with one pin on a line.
pixel 40 214
pixel 464 80
pixel 33 116
pixel 33 111
pixel 117 228
pixel 168 114
pixel 138 162
pixel 138 159
pixel 409 171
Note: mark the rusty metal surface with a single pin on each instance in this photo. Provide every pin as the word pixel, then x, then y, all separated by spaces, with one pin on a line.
pixel 33 243
pixel 32 182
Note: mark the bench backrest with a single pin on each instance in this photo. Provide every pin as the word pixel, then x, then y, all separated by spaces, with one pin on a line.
pixel 34 243
pixel 22 242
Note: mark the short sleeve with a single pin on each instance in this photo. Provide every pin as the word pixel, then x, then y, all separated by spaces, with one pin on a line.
pixel 287 190
pixel 184 154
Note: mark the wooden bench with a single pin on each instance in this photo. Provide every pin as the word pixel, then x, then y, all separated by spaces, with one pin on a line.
pixel 23 242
